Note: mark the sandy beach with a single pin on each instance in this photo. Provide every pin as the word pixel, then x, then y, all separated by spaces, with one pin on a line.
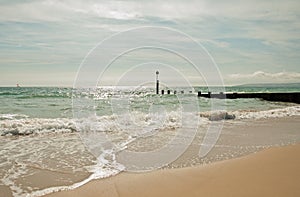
pixel 272 171
pixel 149 99
pixel 253 157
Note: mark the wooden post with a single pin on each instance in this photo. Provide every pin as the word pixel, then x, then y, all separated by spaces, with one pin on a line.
pixel 157 82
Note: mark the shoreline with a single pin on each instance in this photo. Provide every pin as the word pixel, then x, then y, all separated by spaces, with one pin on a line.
pixel 271 172
pixel 239 139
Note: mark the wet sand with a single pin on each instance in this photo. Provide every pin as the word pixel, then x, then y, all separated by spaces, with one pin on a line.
pixel 272 172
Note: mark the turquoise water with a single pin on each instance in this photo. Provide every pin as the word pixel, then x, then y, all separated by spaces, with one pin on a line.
pixel 28 110
pixel 54 102
pixel 38 123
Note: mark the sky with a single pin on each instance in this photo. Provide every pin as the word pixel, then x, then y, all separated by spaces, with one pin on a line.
pixel 44 42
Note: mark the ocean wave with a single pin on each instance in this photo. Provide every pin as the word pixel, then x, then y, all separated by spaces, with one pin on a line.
pixel 12 116
pixel 273 113
pixel 30 92
pixel 44 96
pixel 251 114
pixel 8 93
pixel 106 164
pixel 217 115
pixel 22 125
pixel 18 124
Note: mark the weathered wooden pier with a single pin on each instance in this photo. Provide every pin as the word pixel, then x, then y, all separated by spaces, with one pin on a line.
pixel 293 97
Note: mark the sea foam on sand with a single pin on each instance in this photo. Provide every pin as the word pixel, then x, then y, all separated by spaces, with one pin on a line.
pixel 272 172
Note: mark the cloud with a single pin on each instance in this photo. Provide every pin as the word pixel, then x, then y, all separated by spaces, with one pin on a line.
pixel 266 76
pixel 271 21
pixel 169 9
pixel 242 36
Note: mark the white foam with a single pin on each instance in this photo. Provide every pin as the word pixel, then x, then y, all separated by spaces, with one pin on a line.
pixel 252 114
pixel 12 116
pixel 102 169
pixel 106 164
pixel 18 124
pixel 274 113
pixel 26 126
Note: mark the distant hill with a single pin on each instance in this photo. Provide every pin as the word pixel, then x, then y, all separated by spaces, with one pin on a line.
pixel 290 85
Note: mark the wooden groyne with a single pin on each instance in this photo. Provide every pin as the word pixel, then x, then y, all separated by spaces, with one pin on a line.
pixel 293 97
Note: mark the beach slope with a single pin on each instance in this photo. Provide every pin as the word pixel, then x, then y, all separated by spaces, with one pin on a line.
pixel 272 172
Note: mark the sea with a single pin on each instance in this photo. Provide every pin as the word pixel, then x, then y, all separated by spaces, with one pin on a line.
pixel 52 138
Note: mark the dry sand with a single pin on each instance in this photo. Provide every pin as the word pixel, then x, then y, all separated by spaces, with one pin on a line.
pixel 272 172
